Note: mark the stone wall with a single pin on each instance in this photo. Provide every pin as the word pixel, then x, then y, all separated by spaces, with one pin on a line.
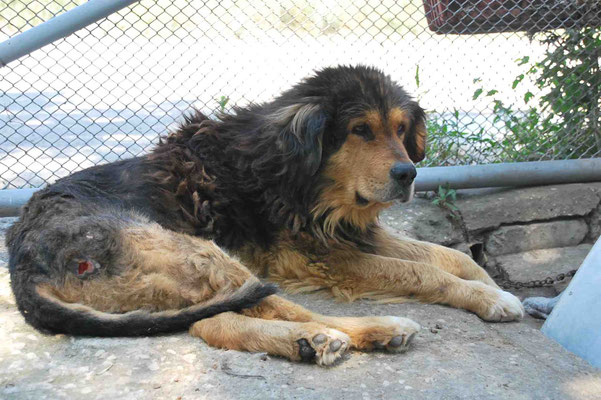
pixel 520 234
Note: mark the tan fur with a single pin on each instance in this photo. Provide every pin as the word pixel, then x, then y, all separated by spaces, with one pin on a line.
pixel 362 167
pixel 363 331
pixel 239 332
pixel 450 260
pixel 162 270
pixel 401 269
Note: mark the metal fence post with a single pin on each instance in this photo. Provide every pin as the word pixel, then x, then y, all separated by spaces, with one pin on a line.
pixel 58 27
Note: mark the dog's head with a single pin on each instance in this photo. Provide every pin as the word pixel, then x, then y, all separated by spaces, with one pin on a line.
pixel 358 134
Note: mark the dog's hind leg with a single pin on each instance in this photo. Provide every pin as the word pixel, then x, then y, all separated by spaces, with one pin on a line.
pixel 106 275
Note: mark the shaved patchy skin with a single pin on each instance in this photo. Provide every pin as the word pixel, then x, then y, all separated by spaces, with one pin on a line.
pixel 288 190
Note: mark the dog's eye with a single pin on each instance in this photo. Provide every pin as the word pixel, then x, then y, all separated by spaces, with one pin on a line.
pixel 363 131
pixel 401 130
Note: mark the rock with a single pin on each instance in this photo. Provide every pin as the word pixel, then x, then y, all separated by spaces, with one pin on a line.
pixel 561 285
pixel 422 220
pixel 5 223
pixel 543 235
pixel 489 211
pixel 539 264
pixel 463 247
pixel 594 223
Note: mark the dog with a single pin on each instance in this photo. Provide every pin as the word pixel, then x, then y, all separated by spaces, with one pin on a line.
pixel 289 190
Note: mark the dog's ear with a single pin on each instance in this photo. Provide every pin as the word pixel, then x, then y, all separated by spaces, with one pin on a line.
pixel 300 136
pixel 415 140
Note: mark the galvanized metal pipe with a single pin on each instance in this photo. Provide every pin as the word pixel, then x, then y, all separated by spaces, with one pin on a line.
pixel 517 174
pixel 58 27
pixel 463 177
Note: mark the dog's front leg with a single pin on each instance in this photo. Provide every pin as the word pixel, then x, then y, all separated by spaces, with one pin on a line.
pixel 363 275
pixel 449 260
pixel 366 333
pixel 281 327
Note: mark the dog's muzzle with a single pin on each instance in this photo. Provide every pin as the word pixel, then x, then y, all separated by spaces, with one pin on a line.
pixel 403 175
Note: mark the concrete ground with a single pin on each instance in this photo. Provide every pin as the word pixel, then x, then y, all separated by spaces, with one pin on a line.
pixel 455 356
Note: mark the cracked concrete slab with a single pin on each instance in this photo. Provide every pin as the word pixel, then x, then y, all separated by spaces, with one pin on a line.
pixel 492 209
pixel 594 222
pixel 542 263
pixel 422 220
pixel 533 236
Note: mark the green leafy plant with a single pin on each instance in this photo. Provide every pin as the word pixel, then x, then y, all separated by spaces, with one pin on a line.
pixel 223 100
pixel 561 121
pixel 449 138
pixel 445 198
pixel 570 76
pixel 566 120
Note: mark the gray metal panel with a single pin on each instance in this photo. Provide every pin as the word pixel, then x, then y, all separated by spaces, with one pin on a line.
pixel 575 321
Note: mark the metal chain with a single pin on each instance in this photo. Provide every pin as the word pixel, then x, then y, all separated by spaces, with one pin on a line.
pixel 536 283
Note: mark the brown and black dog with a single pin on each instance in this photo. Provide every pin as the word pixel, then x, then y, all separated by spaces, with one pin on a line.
pixel 289 190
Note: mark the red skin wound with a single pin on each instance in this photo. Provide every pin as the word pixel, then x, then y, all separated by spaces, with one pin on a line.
pixel 85 266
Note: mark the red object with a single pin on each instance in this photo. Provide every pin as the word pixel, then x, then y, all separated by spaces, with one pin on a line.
pixel 85 266
pixel 488 16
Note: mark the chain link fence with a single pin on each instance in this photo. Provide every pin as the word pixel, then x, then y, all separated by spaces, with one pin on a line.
pixel 510 80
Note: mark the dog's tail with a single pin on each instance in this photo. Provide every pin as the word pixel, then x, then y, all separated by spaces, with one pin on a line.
pixel 45 311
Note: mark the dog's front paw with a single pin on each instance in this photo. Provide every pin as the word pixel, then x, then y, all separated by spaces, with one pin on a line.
pixel 397 340
pixel 497 305
pixel 323 345
pixel 393 334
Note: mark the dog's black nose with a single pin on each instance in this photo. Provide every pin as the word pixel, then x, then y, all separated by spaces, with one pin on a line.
pixel 403 173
